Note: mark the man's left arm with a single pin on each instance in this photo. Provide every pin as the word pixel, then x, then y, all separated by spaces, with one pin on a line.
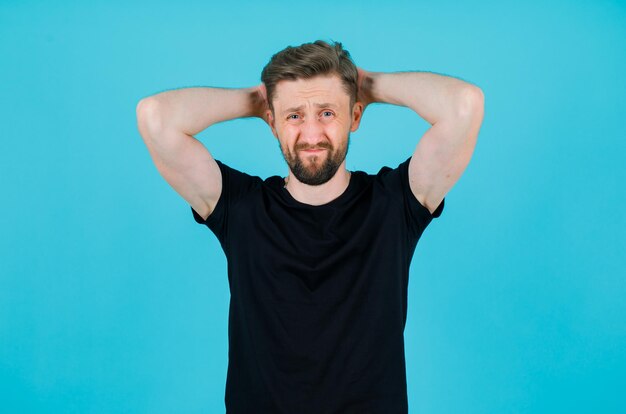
pixel 454 109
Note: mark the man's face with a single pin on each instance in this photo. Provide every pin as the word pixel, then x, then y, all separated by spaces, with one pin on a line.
pixel 312 121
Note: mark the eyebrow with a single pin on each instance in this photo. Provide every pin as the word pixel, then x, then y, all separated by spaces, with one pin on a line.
pixel 319 105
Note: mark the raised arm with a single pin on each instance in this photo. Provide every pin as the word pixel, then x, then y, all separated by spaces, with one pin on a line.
pixel 167 122
pixel 454 109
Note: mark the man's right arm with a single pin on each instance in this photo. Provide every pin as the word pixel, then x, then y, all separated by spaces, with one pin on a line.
pixel 167 122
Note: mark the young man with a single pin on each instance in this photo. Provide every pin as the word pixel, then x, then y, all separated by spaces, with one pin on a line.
pixel 318 261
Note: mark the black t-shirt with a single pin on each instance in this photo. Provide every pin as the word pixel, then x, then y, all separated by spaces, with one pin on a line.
pixel 318 293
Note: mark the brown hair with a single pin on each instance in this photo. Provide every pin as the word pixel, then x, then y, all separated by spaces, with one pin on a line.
pixel 309 60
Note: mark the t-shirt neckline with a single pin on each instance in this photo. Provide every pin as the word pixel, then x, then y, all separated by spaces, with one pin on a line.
pixel 291 200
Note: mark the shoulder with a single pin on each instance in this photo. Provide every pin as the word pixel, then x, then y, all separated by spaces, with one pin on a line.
pixel 397 180
pixel 236 186
pixel 233 176
pixel 392 177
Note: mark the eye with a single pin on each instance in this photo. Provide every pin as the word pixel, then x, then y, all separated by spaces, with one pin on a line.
pixel 327 114
pixel 292 116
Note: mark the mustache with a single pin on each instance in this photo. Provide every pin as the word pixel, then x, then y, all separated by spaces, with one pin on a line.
pixel 321 145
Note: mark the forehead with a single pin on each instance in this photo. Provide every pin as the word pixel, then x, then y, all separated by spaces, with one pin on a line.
pixel 316 90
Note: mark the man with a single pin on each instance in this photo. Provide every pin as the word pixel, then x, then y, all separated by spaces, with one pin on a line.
pixel 318 261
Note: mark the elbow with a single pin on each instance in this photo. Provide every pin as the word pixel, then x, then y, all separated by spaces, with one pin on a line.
pixel 148 114
pixel 146 108
pixel 471 103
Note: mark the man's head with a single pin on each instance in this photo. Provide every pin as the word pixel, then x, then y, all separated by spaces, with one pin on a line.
pixel 309 60
pixel 311 92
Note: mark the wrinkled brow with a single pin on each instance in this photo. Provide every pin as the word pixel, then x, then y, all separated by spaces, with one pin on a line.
pixel 319 105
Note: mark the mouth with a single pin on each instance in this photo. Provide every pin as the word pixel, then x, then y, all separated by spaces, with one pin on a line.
pixel 314 150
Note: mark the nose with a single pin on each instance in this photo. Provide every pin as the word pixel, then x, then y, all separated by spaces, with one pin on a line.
pixel 311 131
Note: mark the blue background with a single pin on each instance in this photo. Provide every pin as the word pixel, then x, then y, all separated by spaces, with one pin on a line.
pixel 112 299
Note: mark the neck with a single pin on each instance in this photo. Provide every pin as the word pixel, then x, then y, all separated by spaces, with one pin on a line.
pixel 317 195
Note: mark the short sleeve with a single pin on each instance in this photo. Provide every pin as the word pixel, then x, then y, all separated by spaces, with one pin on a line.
pixel 235 186
pixel 417 216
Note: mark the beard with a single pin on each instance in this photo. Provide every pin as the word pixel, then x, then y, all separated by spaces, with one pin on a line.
pixel 318 168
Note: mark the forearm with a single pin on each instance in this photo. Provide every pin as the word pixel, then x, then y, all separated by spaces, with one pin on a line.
pixel 192 110
pixel 434 97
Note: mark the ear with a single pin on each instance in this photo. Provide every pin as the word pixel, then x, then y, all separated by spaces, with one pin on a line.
pixel 357 114
pixel 271 122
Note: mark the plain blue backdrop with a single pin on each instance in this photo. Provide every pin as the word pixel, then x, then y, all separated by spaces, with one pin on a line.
pixel 113 300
